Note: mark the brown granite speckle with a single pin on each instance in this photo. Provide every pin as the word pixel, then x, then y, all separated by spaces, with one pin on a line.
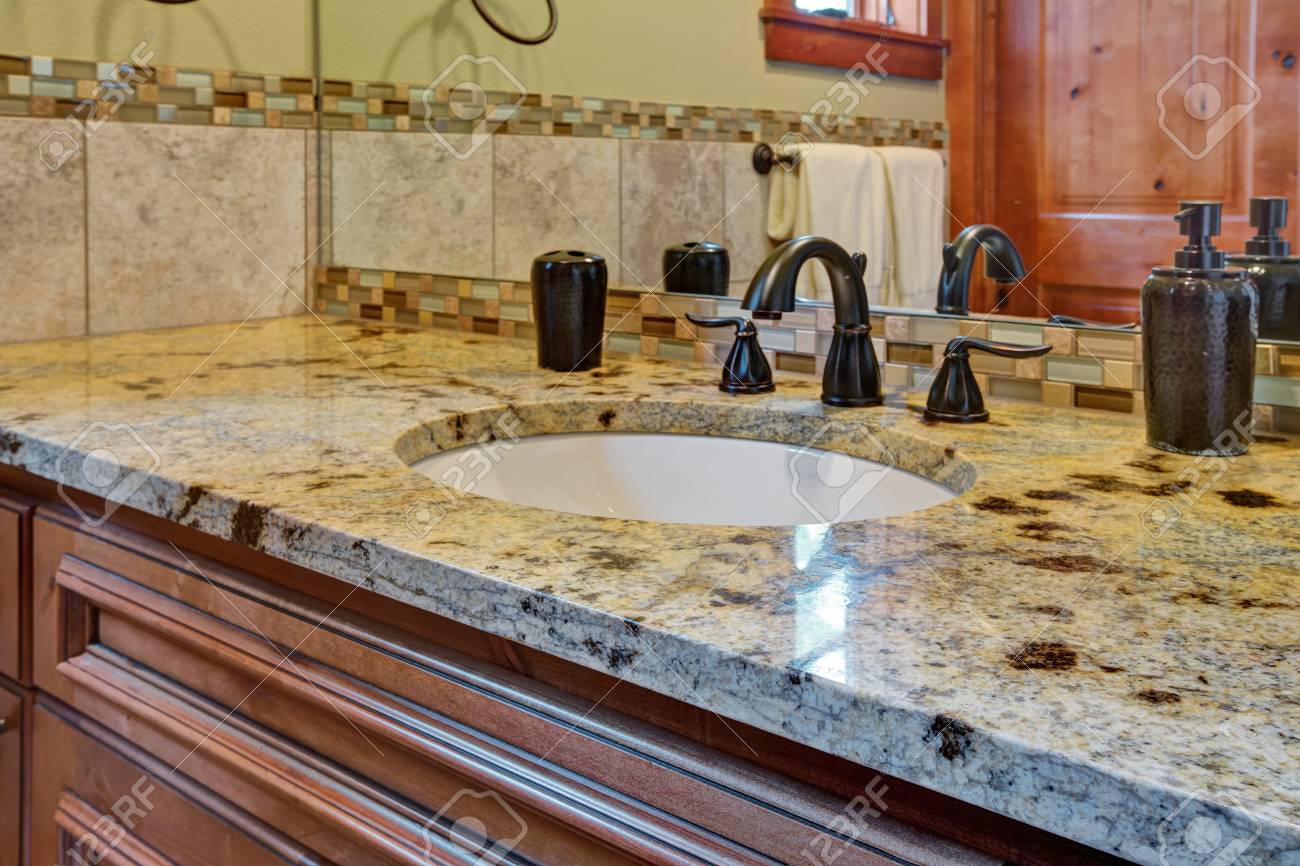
pixel 1053 495
pixel 1075 563
pixel 247 524
pixel 1245 498
pixel 1158 696
pixel 953 735
pixel 1044 655
pixel 1003 505
pixel 1042 530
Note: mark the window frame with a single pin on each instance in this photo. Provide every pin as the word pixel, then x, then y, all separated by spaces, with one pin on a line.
pixel 792 35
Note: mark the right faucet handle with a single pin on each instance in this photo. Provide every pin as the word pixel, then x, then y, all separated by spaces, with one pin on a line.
pixel 955 395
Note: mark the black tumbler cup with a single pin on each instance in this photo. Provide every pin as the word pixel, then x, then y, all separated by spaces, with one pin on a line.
pixel 569 306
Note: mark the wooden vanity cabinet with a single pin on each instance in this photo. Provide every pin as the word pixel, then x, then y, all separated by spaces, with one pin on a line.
pixel 15 609
pixel 14 756
pixel 272 715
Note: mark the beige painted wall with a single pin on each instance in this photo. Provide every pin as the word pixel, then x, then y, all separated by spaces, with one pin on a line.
pixel 268 36
pixel 694 51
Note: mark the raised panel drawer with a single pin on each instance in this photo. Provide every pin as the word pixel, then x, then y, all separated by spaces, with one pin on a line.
pixel 15 561
pixel 366 744
pixel 13 736
pixel 99 798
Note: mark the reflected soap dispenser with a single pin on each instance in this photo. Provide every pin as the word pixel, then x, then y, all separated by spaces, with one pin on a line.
pixel 1199 323
pixel 1272 268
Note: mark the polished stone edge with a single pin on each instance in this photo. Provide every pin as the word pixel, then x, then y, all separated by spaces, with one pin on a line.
pixel 1112 812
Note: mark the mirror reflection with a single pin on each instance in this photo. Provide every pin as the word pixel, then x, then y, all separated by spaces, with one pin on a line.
pixel 982 171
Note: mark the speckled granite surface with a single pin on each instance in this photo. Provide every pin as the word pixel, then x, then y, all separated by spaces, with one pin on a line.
pixel 1029 646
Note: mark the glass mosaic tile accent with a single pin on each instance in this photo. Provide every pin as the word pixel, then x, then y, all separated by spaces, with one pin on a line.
pixel 907 346
pixel 48 87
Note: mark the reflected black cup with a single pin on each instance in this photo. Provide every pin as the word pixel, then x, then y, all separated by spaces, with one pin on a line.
pixel 697 268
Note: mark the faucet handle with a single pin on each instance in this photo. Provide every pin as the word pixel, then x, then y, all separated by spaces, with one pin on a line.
pixel 955 395
pixel 950 258
pixel 746 370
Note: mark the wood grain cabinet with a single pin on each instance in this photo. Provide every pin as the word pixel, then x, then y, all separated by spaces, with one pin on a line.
pixel 15 609
pixel 197 703
pixel 13 743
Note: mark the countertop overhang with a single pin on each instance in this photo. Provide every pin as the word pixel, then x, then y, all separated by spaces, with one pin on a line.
pixel 1054 644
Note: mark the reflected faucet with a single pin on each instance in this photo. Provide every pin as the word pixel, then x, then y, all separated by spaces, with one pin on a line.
pixel 1002 264
pixel 852 376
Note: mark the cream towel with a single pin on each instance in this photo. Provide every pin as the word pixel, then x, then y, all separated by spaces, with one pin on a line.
pixel 917 191
pixel 787 203
pixel 838 191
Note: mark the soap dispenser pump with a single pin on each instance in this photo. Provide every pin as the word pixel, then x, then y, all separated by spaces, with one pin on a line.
pixel 1199 323
pixel 1275 272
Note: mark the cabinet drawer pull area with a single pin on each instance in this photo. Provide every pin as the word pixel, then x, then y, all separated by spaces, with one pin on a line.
pixel 269 776
pixel 84 830
pixel 99 797
pixel 149 649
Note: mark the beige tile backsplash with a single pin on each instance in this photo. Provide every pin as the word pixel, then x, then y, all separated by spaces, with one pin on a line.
pixel 113 241
pixel 518 196
pixel 42 237
pixel 189 225
pixel 554 193
pixel 406 202
pixel 671 192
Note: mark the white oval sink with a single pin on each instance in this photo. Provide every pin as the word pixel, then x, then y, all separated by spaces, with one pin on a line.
pixel 673 478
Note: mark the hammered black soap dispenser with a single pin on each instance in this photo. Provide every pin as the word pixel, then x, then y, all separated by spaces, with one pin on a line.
pixel 1198 344
pixel 1273 270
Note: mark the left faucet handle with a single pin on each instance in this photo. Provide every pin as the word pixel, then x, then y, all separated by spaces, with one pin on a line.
pixel 746 370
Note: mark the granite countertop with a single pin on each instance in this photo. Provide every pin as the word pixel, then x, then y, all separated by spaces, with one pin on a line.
pixel 1043 645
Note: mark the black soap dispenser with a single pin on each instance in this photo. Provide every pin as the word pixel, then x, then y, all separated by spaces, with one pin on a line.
pixel 1275 272
pixel 1199 324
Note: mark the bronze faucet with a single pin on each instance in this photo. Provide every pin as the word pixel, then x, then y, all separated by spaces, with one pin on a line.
pixel 1002 264
pixel 852 376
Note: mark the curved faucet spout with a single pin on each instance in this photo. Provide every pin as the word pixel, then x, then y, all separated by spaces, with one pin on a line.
pixel 852 375
pixel 1002 264
pixel 771 292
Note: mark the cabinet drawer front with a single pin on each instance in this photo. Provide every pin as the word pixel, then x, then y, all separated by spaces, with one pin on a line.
pixel 369 745
pixel 99 798
pixel 15 558
pixel 12 742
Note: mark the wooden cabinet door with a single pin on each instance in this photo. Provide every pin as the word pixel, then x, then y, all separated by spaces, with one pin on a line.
pixel 1079 126
pixel 15 560
pixel 12 744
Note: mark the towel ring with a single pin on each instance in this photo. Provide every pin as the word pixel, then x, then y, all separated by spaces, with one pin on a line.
pixel 515 37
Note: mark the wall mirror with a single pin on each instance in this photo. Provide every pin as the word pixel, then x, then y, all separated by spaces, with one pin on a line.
pixel 458 143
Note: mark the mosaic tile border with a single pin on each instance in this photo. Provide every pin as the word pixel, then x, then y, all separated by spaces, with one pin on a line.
pixel 46 87
pixel 35 86
pixel 400 107
pixel 1087 368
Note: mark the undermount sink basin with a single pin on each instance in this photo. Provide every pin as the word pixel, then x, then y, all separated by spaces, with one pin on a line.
pixel 673 478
